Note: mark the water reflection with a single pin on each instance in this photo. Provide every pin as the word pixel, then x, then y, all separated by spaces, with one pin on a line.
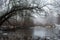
pixel 32 33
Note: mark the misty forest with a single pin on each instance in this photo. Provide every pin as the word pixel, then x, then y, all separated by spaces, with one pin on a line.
pixel 29 19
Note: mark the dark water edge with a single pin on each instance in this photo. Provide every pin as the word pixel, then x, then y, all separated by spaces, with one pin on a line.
pixel 31 33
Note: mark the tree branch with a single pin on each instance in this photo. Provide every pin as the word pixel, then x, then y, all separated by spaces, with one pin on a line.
pixel 7 15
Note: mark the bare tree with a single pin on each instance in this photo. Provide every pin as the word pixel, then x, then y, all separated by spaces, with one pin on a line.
pixel 29 13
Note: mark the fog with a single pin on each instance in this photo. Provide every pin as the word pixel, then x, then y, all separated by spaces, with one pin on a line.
pixel 43 16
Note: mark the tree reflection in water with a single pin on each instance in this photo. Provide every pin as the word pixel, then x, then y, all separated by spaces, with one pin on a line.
pixel 33 33
pixel 30 20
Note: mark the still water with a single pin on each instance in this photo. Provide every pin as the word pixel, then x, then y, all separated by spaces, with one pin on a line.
pixel 32 33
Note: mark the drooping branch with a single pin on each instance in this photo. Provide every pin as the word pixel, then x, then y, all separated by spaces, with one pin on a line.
pixel 7 15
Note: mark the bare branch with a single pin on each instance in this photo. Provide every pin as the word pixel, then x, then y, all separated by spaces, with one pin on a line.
pixel 4 17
